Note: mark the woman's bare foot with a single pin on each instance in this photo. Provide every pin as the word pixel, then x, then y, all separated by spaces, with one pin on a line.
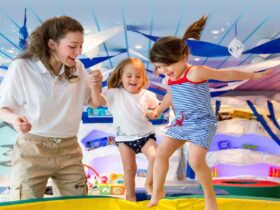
pixel 130 198
pixel 155 199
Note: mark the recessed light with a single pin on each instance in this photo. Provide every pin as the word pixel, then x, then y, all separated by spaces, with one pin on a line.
pixel 138 46
pixel 215 32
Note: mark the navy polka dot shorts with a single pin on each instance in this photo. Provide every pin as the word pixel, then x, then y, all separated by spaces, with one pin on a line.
pixel 138 144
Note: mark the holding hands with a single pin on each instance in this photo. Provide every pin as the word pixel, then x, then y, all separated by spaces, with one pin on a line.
pixel 95 78
pixel 152 114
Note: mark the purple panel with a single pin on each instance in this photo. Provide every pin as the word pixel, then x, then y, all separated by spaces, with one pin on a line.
pixel 113 164
pixel 107 164
pixel 261 169
pixel 263 144
pixel 268 83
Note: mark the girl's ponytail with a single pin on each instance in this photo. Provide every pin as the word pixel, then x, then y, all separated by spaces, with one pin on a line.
pixel 171 49
pixel 194 31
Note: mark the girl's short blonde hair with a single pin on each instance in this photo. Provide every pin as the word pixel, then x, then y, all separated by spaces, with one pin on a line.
pixel 115 79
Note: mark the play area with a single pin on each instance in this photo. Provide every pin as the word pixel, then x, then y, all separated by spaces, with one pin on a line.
pixel 115 112
pixel 243 158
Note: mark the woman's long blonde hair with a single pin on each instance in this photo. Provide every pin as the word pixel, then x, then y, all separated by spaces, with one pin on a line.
pixel 115 79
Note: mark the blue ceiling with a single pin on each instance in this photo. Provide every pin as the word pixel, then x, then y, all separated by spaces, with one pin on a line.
pixel 248 20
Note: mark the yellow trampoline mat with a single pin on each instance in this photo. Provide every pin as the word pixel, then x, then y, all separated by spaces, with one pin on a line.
pixel 109 203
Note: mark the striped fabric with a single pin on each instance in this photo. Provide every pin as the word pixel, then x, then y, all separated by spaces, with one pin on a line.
pixel 195 119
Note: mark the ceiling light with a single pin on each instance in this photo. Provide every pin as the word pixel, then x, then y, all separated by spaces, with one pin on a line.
pixel 138 46
pixel 215 32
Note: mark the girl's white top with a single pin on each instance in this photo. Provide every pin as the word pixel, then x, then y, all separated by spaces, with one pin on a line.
pixel 128 112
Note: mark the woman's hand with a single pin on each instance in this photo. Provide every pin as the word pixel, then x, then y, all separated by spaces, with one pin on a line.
pixel 22 125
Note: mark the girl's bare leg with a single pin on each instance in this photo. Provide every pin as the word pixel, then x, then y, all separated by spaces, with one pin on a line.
pixel 149 150
pixel 129 167
pixel 197 156
pixel 165 149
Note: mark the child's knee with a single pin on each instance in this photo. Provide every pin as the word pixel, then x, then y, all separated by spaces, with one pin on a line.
pixel 162 155
pixel 130 170
pixel 196 164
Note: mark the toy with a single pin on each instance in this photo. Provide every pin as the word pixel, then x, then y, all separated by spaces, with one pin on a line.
pixel 104 189
pixel 108 185
pixel 112 184
pixel 250 146
pixel 224 116
pixel 102 115
pixel 141 172
pixel 241 114
pixel 214 172
pixel 103 184
pixel 274 172
pixel 117 189
pixel 98 115
pixel 97 139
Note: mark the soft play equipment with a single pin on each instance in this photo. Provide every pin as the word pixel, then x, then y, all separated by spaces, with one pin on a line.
pixel 249 187
pixel 109 203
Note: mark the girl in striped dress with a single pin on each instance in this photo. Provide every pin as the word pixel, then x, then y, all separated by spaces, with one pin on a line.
pixel 195 120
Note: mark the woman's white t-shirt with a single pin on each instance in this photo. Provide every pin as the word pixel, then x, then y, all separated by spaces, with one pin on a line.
pixel 52 105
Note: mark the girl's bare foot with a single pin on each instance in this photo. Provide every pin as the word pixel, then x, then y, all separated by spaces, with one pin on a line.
pixel 130 198
pixel 211 203
pixel 149 188
pixel 155 199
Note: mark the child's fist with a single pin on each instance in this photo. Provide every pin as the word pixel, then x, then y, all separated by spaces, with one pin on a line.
pixel 152 114
pixel 95 77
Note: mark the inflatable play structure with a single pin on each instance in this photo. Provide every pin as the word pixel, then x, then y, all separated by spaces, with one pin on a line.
pixel 244 156
pixel 104 203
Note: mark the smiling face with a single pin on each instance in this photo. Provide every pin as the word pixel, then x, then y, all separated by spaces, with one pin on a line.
pixel 66 50
pixel 174 71
pixel 132 78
